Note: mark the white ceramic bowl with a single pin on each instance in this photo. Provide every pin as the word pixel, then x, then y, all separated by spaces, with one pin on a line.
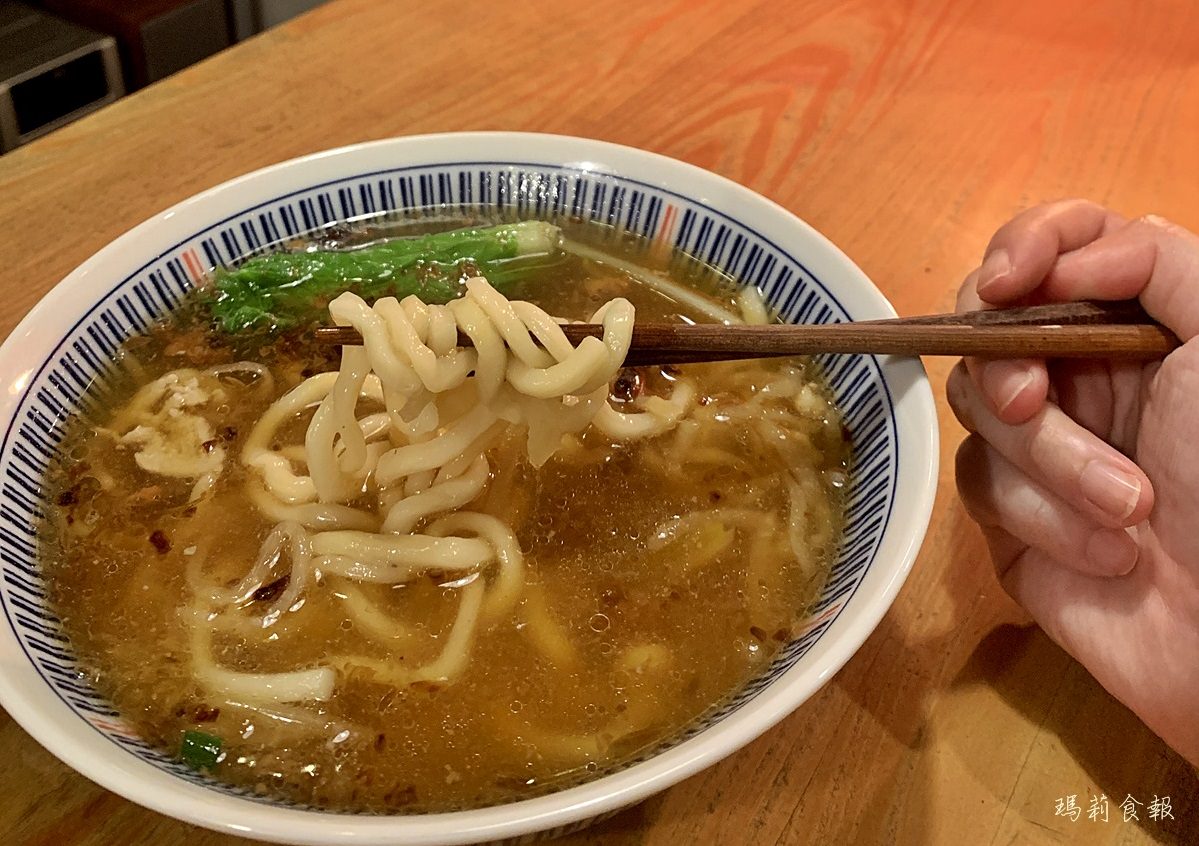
pixel 68 337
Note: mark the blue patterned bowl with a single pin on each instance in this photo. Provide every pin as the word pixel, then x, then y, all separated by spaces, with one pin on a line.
pixel 52 357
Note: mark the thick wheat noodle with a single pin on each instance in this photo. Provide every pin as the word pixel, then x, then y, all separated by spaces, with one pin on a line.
pixel 806 531
pixel 334 442
pixel 465 460
pixel 546 633
pixel 412 485
pixel 386 329
pixel 512 329
pixel 487 343
pixel 658 417
pixel 289 537
pixel 312 515
pixel 573 375
pixel 453 658
pixel 277 472
pixel 371 620
pixel 391 558
pixel 546 330
pixel 762 573
pixel 762 579
pixel 591 745
pixel 753 308
pixel 430 455
pixel 256 688
pixel 448 495
pixel 423 459
pixel 506 588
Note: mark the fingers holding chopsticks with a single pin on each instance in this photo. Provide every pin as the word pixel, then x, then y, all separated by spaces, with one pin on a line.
pixel 1149 258
pixel 1024 250
pixel 1060 457
pixel 1017 513
pixel 1015 389
pixel 1071 250
pixel 1076 250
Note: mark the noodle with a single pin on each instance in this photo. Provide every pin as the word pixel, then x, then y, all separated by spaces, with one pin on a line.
pixel 373 621
pixel 444 406
pixel 256 688
pixel 442 575
pixel 544 631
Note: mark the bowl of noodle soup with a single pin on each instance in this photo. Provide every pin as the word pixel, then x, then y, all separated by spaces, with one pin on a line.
pixel 424 591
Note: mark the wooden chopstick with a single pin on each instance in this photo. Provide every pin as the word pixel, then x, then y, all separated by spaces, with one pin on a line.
pixel 1100 330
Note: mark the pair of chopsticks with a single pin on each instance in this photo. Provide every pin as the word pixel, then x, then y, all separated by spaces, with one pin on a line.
pixel 1101 330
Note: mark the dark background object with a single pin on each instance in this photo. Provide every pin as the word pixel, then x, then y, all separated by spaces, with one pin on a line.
pixel 156 37
pixel 273 12
pixel 68 57
pixel 244 18
pixel 247 17
pixel 51 72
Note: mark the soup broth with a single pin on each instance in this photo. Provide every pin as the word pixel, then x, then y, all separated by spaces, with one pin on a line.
pixel 659 574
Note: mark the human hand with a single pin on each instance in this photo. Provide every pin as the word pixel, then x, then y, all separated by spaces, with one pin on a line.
pixel 1084 475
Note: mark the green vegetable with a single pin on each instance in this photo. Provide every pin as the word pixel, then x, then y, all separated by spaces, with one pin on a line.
pixel 200 750
pixel 287 289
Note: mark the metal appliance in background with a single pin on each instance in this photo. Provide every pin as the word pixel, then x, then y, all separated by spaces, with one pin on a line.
pixel 51 72
pixel 69 57
pixel 155 37
pixel 159 37
pixel 247 17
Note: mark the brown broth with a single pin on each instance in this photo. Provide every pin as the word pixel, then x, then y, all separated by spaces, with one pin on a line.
pixel 636 643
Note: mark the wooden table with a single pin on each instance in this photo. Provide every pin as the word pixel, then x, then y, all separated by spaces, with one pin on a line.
pixel 906 132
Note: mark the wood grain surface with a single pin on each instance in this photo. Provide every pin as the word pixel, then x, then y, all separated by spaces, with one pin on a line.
pixel 906 131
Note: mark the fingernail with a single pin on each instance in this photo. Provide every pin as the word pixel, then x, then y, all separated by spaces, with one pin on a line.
pixel 1010 392
pixel 1112 491
pixel 996 265
pixel 1111 552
